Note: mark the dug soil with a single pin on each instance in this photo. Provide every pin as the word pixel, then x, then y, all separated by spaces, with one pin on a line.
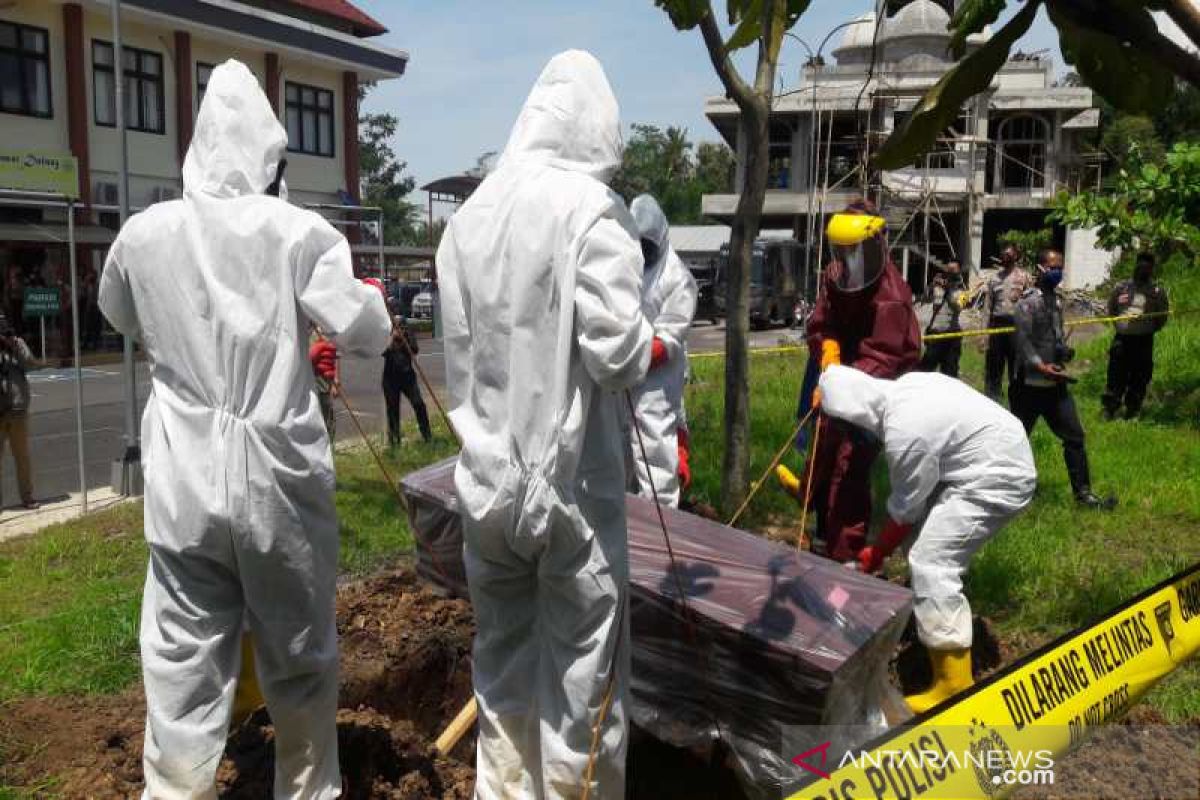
pixel 1140 756
pixel 405 673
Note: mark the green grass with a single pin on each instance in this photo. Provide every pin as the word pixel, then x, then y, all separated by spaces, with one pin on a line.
pixel 70 595
pixel 69 600
pixel 774 386
pixel 373 530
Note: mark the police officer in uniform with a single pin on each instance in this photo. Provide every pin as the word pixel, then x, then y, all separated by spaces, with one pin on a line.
pixel 948 296
pixel 1131 355
pixel 1003 291
pixel 1041 388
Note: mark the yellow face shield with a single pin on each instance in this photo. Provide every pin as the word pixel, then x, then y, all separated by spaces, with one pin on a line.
pixel 859 250
pixel 851 229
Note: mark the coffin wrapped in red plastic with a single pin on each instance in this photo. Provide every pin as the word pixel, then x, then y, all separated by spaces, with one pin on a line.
pixel 784 646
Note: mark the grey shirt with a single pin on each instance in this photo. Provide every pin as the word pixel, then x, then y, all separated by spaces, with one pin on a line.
pixel 13 363
pixel 1004 289
pixel 1039 336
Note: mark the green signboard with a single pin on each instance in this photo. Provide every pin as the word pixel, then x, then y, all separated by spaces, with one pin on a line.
pixel 41 302
pixel 31 171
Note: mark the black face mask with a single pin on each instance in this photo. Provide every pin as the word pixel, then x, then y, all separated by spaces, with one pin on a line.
pixel 649 253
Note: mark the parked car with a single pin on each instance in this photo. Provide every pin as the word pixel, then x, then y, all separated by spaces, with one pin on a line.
pixel 422 304
pixel 403 295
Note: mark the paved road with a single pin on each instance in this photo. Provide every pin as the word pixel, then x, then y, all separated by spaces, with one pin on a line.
pixel 52 418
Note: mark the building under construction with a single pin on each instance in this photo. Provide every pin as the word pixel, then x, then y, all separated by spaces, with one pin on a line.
pixel 1012 148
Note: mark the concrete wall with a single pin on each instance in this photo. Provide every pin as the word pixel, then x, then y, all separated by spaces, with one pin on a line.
pixel 1085 263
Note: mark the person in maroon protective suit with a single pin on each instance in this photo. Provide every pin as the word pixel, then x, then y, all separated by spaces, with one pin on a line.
pixel 864 319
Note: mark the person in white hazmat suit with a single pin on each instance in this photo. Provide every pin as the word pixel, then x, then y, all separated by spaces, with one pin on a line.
pixel 540 275
pixel 669 303
pixel 956 459
pixel 220 287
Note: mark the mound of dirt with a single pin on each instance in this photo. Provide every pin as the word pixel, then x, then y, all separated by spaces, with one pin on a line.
pixel 405 671
pixel 1141 756
pixel 405 651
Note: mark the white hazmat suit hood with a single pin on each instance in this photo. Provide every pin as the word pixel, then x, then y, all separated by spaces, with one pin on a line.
pixel 237 142
pixel 669 302
pixel 221 287
pixel 855 397
pixel 540 275
pixel 959 465
pixel 570 120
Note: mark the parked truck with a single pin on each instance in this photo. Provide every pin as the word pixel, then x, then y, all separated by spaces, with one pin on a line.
pixel 783 283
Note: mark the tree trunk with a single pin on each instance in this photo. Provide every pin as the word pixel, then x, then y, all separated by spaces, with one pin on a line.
pixel 746 223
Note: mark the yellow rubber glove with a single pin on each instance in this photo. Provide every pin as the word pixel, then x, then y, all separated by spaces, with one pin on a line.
pixel 831 353
pixel 788 480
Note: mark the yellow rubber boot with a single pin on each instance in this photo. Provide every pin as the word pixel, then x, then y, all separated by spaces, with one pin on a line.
pixel 951 675
pixel 788 480
pixel 247 698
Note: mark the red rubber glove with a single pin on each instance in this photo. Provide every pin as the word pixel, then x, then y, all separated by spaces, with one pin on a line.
pixel 378 284
pixel 323 356
pixel 658 353
pixel 684 449
pixel 870 559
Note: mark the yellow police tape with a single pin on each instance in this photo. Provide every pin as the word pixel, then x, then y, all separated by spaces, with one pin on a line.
pixel 933 337
pixel 1047 702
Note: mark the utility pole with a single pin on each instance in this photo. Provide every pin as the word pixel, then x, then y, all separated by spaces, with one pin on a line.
pixel 127 472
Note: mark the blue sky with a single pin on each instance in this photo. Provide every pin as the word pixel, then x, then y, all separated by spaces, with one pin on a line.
pixel 473 61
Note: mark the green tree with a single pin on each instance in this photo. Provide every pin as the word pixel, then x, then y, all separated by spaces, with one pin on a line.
pixel 661 162
pixel 382 177
pixel 644 164
pixel 1028 242
pixel 1129 137
pixel 1113 45
pixel 1151 206
pixel 714 168
pixel 761 23
pixel 1179 119
pixel 484 164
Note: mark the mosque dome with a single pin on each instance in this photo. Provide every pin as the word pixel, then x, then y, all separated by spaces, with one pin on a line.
pixel 856 41
pixel 921 18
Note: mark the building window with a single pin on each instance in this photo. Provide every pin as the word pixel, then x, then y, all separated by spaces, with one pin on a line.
pixel 1021 152
pixel 24 70
pixel 779 157
pixel 203 73
pixel 309 112
pixel 143 75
